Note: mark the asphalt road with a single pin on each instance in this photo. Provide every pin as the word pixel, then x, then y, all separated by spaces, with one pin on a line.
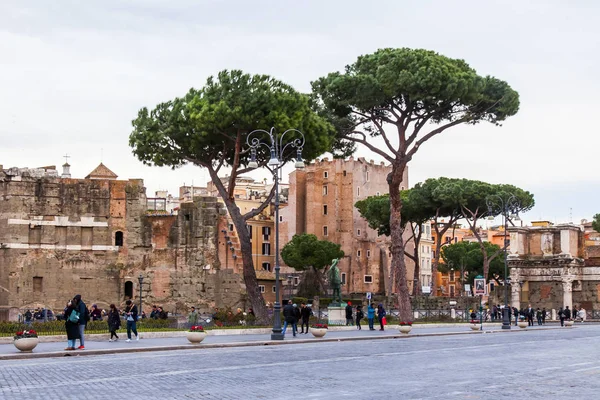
pixel 550 364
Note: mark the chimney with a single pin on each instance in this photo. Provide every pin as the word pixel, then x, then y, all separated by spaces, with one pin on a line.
pixel 66 172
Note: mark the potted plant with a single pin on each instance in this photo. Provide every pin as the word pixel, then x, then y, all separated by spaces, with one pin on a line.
pixel 405 326
pixel 522 322
pixel 318 330
pixel 26 340
pixel 569 322
pixel 196 334
pixel 475 325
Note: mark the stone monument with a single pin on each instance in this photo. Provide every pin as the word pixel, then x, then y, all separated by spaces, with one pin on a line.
pixel 335 312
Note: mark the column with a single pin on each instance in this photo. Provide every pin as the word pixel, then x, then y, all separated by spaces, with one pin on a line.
pixel 568 292
pixel 515 296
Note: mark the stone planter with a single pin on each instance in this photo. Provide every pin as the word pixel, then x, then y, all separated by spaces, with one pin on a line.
pixel 318 332
pixel 475 327
pixel 26 345
pixel 569 323
pixel 195 337
pixel 522 324
pixel 405 329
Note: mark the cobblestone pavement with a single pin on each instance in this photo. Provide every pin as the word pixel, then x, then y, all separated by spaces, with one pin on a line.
pixel 534 364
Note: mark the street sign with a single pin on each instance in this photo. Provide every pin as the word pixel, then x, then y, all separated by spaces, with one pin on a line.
pixel 426 289
pixel 479 286
pixel 368 295
pixel 467 287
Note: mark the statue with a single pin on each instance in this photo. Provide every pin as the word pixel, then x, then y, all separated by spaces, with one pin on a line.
pixel 335 281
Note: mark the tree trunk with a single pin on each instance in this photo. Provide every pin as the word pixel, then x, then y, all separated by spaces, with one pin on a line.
pixel 397 246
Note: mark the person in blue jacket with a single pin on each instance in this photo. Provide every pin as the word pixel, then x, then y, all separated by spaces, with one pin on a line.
pixel 371 316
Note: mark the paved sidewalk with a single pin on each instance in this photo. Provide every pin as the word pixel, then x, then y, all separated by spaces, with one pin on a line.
pixel 96 346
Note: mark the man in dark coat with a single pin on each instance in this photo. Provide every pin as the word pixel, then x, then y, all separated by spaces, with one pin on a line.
pixel 567 313
pixel 349 319
pixel 530 312
pixel 84 317
pixel 289 318
pixel 305 315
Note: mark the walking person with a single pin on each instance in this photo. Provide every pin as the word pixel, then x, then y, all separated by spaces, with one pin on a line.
pixel 71 325
pixel 305 313
pixel 544 316
pixel 84 317
pixel 349 320
pixel 516 314
pixel 359 315
pixel 529 313
pixel 381 315
pixel 114 322
pixel 538 315
pixel 574 313
pixel 193 317
pixel 567 313
pixel 289 318
pixel 371 316
pixel 131 313
pixel 561 316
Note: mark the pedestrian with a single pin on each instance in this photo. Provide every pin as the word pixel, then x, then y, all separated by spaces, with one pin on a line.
pixel 561 316
pixel 305 313
pixel 162 314
pixel 193 317
pixel 494 312
pixel 114 322
pixel 359 315
pixel 567 313
pixel 529 313
pixel 96 313
pixel 289 318
pixel 28 316
pixel 349 320
pixel 515 312
pixel 538 315
pixel 574 313
pixel 371 316
pixel 84 317
pixel 381 315
pixel 508 313
pixel 154 313
pixel 71 325
pixel 544 316
pixel 131 313
pixel 582 314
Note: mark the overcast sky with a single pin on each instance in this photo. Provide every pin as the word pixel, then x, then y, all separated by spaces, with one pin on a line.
pixel 73 75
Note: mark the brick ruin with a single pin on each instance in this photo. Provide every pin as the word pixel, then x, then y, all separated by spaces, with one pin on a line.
pixel 95 236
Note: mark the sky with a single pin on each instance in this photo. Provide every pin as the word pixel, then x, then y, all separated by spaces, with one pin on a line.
pixel 74 74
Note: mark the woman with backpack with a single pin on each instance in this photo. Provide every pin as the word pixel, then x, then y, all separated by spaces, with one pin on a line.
pixel 114 322
pixel 71 325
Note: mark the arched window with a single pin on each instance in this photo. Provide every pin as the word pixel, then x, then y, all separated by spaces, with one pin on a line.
pixel 129 289
pixel 118 238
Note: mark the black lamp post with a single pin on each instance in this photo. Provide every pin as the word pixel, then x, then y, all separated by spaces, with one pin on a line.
pixel 276 146
pixel 289 282
pixel 508 208
pixel 141 280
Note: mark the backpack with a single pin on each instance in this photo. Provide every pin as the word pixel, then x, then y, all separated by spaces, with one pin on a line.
pixel 360 315
pixel 74 317
pixel 86 315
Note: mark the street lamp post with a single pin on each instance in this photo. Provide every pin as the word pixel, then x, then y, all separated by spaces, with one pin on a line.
pixel 505 206
pixel 141 280
pixel 276 146
pixel 289 282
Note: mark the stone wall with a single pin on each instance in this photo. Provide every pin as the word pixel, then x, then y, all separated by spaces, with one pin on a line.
pixel 60 237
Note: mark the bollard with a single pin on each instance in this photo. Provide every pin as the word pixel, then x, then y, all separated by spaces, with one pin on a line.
pixel 452 313
pixel 554 314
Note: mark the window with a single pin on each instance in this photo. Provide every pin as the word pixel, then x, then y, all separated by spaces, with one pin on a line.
pixel 325 190
pixel 451 290
pixel 325 174
pixel 266 231
pixel 344 173
pixel 325 209
pixel 358 232
pixel 401 187
pixel 250 231
pixel 377 194
pixel 343 278
pixel 119 238
pixel 231 227
pixel 358 253
pixel 128 290
pixel 368 253
pixel 266 266
pixel 368 278
pixel 367 176
pixel 280 218
pixel 261 288
pixel 325 231
pixel 273 288
pixel 38 285
pixel 452 276
pixel 357 192
pixel 296 281
pixel 266 249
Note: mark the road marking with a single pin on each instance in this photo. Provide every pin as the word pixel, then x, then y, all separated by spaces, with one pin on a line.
pixel 587 369
pixel 579 364
pixel 549 368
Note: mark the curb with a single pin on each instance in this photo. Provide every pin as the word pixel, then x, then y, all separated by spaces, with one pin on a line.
pixel 259 343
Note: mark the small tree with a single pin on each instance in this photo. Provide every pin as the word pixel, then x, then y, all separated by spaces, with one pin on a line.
pixel 393 94
pixel 306 253
pixel 596 223
pixel 208 128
